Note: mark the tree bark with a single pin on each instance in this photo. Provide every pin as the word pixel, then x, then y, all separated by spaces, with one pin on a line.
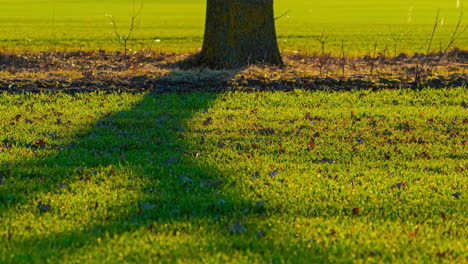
pixel 239 33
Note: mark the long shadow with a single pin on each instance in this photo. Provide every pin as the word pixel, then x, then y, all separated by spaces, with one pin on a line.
pixel 137 171
pixel 144 145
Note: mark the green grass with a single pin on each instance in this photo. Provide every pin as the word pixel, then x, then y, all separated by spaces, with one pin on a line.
pixel 234 178
pixel 397 26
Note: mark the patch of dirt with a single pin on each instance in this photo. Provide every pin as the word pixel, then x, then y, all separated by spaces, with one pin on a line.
pixel 74 72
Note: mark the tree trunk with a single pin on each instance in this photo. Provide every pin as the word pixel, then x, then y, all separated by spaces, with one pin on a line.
pixel 239 33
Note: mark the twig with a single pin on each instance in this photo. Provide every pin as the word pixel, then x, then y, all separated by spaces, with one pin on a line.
pixel 436 23
pixel 285 13
pixel 456 34
pixel 344 55
pixel 123 39
pixel 322 39
pixel 420 67
pixel 373 59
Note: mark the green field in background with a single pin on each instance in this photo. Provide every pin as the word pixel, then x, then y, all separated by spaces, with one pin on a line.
pixel 178 25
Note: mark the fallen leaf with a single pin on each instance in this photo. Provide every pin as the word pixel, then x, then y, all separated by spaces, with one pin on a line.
pixel 185 180
pixel 355 211
pixel 43 207
pixel 273 173
pixel 398 185
pixel 260 234
pixel 266 131
pixel 326 160
pixel 148 206
pixel 39 143
pixel 207 121
pixel 237 228
pixel 219 202
pixel 388 133
pixel 211 182
pixel 311 144
pixel 171 160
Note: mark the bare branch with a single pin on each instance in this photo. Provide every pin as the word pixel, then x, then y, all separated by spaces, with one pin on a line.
pixel 456 32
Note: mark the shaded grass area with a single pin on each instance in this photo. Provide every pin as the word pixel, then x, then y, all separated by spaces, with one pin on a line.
pixel 234 177
pixel 177 26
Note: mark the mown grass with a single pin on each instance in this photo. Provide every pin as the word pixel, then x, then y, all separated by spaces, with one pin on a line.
pixel 397 26
pixel 300 177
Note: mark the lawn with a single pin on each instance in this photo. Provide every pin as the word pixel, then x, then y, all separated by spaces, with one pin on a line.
pixel 177 26
pixel 294 164
pixel 264 177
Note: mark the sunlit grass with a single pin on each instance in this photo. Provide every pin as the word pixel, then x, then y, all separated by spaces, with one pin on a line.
pixel 234 177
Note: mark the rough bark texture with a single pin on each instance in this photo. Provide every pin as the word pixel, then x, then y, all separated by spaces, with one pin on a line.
pixel 239 33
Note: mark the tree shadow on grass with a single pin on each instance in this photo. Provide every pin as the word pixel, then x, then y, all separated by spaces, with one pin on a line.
pixel 133 171
pixel 135 188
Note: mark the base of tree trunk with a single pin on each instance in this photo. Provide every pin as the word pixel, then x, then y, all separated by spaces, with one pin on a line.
pixel 239 33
